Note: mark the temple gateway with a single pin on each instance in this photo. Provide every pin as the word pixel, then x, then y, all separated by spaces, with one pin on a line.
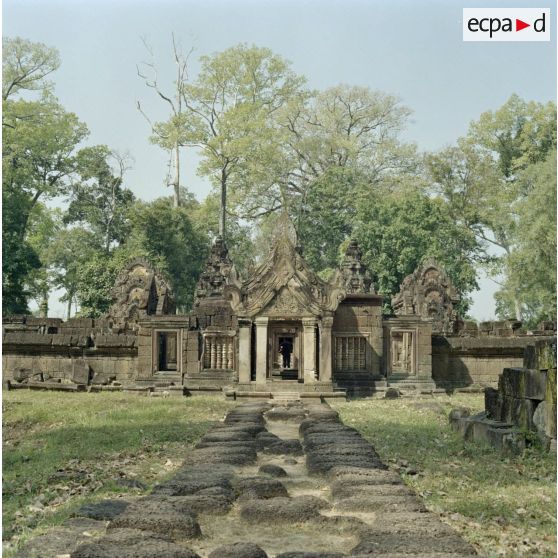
pixel 283 330
pixel 286 330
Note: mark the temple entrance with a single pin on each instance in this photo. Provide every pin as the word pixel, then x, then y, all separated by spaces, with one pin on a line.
pixel 285 352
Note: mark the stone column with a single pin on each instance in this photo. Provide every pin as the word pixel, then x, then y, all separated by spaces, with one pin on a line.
pixel 261 350
pixel 244 351
pixel 309 349
pixel 325 349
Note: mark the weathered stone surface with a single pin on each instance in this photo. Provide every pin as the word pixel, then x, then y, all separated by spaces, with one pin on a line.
pixel 132 543
pixel 62 540
pixel 211 501
pixel 346 490
pixel 302 554
pixel 103 510
pixel 411 544
pixel 283 510
pixel 272 470
pixel 81 371
pixel 159 515
pixel 429 293
pixel 493 403
pixel 356 475
pixel 284 447
pixel 286 414
pixel 238 550
pixel 259 488
pixel 190 481
pixel 371 503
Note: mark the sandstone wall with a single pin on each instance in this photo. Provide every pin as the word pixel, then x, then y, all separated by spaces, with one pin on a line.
pixel 362 318
pixel 459 362
pixel 76 351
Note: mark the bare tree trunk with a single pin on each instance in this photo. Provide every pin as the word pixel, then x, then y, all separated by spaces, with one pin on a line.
pixel 43 307
pixel 176 175
pixel 223 204
pixel 69 307
pixel 518 312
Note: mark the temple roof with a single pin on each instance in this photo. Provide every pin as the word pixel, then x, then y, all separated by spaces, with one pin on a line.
pixel 285 286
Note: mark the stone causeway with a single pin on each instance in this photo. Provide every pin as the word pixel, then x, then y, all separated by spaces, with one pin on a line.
pixel 281 478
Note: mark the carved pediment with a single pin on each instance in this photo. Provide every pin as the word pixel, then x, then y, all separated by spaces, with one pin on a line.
pixel 429 293
pixel 140 290
pixel 285 304
pixel 284 284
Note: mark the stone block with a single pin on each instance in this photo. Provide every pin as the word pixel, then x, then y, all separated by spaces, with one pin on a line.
pixel 81 371
pixel 550 398
pixel 493 403
pixel 534 384
pixel 541 355
pixel 510 382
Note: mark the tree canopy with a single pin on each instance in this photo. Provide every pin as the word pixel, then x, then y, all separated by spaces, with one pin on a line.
pixel 335 159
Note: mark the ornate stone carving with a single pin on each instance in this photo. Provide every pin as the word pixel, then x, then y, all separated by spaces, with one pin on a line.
pixel 218 273
pixel 140 290
pixel 284 284
pixel 353 275
pixel 429 293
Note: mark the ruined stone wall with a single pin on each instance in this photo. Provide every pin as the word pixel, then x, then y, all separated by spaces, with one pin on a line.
pixel 459 362
pixel 79 351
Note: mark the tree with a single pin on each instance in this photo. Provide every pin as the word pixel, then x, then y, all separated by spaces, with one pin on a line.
pixel 170 137
pixel 530 270
pixel 398 230
pixel 98 199
pixel 38 155
pixel 25 65
pixel 228 111
pixel 482 178
pixel 19 259
pixel 68 254
pixel 165 235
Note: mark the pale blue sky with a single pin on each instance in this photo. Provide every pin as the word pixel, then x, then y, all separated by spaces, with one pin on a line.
pixel 413 49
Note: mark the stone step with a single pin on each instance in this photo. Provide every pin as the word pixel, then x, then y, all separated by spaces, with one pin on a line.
pixel 286 396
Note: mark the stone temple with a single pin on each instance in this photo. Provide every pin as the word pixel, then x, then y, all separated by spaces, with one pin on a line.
pixel 234 340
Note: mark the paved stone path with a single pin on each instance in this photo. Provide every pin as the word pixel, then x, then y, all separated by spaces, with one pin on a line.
pixel 288 480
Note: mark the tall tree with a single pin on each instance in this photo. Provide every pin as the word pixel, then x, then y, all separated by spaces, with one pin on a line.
pixel 170 137
pixel 482 178
pixel 98 198
pixel 229 106
pixel 38 155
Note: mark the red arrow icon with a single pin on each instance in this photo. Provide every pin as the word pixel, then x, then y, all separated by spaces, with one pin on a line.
pixel 519 25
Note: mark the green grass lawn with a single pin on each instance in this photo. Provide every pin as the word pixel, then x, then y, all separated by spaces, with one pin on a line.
pixel 504 505
pixel 62 449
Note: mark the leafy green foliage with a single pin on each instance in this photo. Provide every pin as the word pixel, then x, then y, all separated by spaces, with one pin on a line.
pixel 25 65
pixel 398 230
pixel 493 181
pixel 531 267
pixel 98 199
pixel 166 235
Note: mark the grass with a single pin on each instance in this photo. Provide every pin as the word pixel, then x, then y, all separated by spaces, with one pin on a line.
pixel 504 505
pixel 61 450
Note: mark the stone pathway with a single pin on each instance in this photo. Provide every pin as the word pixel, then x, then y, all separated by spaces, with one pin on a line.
pixel 280 479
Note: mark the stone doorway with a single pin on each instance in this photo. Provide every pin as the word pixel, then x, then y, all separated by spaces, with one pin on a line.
pixel 281 336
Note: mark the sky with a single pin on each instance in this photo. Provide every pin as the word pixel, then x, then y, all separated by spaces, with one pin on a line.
pixel 409 48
